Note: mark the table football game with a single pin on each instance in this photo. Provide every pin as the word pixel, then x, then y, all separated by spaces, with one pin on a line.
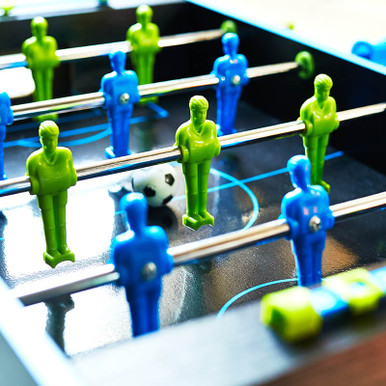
pixel 210 328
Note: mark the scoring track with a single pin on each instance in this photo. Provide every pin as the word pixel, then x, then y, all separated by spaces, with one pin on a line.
pixel 101 316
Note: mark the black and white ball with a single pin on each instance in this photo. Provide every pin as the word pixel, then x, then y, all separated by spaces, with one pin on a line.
pixel 157 183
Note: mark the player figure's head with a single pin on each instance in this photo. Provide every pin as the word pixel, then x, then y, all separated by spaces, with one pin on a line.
pixel 49 133
pixel 117 60
pixel 323 84
pixel 144 14
pixel 198 106
pixel 39 27
pixel 299 168
pixel 230 44
pixel 135 207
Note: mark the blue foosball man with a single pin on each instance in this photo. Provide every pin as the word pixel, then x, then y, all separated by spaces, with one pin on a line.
pixel 231 70
pixel 120 89
pixel 141 258
pixel 6 118
pixel 308 214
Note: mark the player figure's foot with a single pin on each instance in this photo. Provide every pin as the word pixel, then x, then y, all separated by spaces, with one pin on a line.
pixel 207 218
pixel 109 153
pixel 193 221
pixel 53 257
pixel 220 132
pixel 3 177
pixel 325 186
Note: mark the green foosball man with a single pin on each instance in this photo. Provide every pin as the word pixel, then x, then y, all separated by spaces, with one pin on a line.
pixel 320 117
pixel 198 143
pixel 51 173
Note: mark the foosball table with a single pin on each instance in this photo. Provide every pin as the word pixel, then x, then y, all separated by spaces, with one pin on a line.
pixel 71 324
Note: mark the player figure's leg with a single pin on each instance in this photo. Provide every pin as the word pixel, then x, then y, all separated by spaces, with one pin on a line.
pixel 153 309
pixel 139 314
pixel 230 98
pixel 303 252
pixel 48 76
pixel 115 126
pixel 39 85
pixel 318 248
pixel 311 146
pixel 60 202
pixel 125 133
pixel 203 175
pixel 2 138
pixel 191 219
pixel 47 211
pixel 321 150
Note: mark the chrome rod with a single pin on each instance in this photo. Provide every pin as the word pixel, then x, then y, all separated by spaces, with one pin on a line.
pixel 168 154
pixel 76 53
pixel 48 289
pixel 96 99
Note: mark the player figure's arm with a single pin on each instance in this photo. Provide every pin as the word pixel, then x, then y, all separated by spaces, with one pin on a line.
pixel 216 142
pixel 135 97
pixel 333 103
pixel 180 136
pixel 286 213
pixel 25 49
pixel 115 259
pixel 106 89
pixel 304 116
pixel 31 173
pixel 74 176
pixel 156 38
pixel 53 48
pixel 9 119
pixel 244 78
pixel 218 71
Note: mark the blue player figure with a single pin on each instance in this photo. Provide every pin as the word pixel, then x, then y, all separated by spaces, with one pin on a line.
pixel 308 214
pixel 140 256
pixel 120 90
pixel 6 118
pixel 231 69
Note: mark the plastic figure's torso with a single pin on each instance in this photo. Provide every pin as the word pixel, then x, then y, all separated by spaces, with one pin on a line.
pixel 41 54
pixel 115 85
pixel 132 252
pixel 54 176
pixel 202 146
pixel 303 205
pixel 228 68
pixel 323 119
pixel 144 41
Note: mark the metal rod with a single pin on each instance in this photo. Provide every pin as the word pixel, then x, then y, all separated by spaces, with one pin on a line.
pixel 96 99
pixel 76 53
pixel 52 288
pixel 168 154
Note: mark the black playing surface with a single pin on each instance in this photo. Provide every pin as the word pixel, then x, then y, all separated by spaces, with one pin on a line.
pixel 247 185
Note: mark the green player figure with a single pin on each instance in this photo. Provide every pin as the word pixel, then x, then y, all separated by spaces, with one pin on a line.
pixel 198 143
pixel 319 115
pixel 144 37
pixel 51 173
pixel 40 52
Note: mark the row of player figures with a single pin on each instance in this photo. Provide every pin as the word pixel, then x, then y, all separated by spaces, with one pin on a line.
pixel 306 209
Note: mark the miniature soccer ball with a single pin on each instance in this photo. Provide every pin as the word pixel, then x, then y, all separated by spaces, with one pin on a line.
pixel 157 183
